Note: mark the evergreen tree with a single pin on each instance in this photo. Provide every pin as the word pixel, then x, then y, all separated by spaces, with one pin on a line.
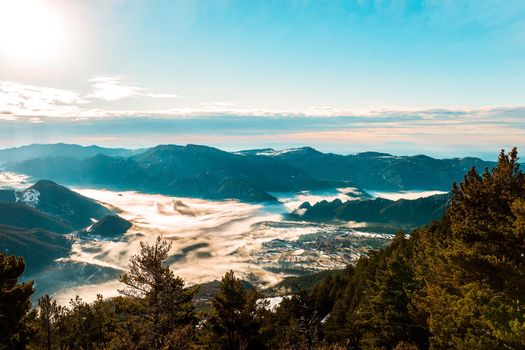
pixel 48 319
pixel 234 320
pixel 15 304
pixel 473 265
pixel 383 316
pixel 166 304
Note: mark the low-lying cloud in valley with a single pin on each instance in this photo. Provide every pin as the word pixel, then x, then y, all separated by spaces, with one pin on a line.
pixel 208 238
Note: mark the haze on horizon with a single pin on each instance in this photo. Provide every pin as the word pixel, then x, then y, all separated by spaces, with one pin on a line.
pixel 444 78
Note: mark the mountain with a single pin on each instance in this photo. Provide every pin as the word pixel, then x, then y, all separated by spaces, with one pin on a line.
pixel 402 213
pixel 38 247
pixel 192 170
pixel 33 222
pixel 59 201
pixel 24 216
pixel 35 151
pixel 378 171
pixel 110 226
pixel 194 160
pixel 207 172
pixel 54 202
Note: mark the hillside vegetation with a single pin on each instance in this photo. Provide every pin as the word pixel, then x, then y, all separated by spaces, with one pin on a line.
pixel 458 283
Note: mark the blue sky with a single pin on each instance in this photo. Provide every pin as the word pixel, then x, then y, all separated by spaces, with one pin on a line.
pixel 428 76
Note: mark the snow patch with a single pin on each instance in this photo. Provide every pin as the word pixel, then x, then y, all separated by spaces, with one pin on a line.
pixel 271 303
pixel 30 197
pixel 274 153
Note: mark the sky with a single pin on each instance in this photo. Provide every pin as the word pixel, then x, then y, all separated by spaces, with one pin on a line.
pixel 444 78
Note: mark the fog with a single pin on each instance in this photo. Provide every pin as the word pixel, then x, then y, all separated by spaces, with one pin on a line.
pixel 208 238
pixel 404 194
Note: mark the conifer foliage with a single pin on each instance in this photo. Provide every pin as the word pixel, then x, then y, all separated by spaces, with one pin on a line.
pixel 234 317
pixel 15 304
pixel 165 305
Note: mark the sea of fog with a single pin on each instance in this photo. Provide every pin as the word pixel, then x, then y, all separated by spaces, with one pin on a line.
pixel 258 241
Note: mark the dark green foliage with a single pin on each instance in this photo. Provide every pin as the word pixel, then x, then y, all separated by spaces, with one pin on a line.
pixel 296 283
pixel 164 303
pixel 473 263
pixel 303 320
pixel 456 284
pixel 233 320
pixel 48 317
pixel 15 304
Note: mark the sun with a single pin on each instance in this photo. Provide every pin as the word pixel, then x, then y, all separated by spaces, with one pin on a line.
pixel 31 31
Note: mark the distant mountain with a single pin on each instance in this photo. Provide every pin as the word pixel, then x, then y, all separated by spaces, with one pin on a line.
pixel 110 226
pixel 195 171
pixel 378 171
pixel 402 213
pixel 38 247
pixel 18 154
pixel 207 172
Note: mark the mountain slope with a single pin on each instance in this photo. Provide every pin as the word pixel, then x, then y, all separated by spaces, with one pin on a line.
pixel 23 216
pixel 195 171
pixel 110 226
pixel 34 151
pixel 38 247
pixel 201 171
pixel 379 171
pixel 68 205
pixel 403 212
pixel 33 222
pixel 49 206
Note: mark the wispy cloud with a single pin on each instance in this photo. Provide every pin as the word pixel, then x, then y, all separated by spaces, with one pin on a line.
pixel 61 113
pixel 114 88
pixel 18 100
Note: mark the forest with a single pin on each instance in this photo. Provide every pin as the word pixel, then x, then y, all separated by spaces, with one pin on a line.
pixel 457 283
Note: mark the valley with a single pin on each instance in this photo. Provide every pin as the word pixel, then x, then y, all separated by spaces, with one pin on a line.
pixel 208 238
pixel 265 214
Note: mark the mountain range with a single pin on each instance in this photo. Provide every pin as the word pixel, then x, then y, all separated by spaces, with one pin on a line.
pixel 34 151
pixel 250 175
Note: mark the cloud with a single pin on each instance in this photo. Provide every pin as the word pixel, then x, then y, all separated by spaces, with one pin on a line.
pixel 34 112
pixel 18 100
pixel 220 104
pixel 112 88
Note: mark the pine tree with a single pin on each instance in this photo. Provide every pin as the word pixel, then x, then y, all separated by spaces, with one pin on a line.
pixel 15 304
pixel 234 318
pixel 473 267
pixel 383 316
pixel 48 318
pixel 166 304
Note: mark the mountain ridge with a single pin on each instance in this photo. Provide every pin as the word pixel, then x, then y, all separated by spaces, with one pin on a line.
pixel 250 175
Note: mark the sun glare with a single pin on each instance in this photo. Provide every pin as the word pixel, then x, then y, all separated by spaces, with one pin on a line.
pixel 31 31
